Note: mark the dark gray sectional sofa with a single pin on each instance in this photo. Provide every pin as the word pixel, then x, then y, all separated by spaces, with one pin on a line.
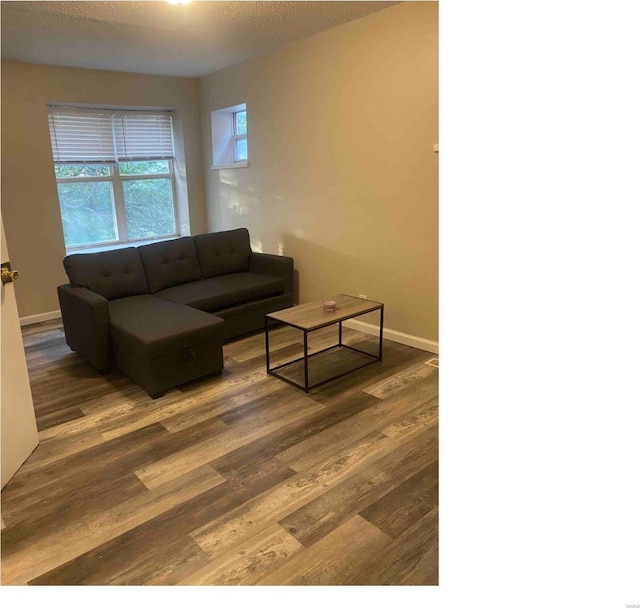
pixel 160 313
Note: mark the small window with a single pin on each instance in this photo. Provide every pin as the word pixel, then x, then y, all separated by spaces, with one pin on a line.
pixel 229 133
pixel 240 136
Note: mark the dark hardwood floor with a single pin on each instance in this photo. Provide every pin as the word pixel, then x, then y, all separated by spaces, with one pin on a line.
pixel 240 479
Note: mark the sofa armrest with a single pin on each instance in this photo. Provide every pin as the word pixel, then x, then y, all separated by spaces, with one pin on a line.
pixel 85 316
pixel 276 265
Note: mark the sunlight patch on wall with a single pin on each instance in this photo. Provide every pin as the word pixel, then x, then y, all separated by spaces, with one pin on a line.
pixel 229 177
pixel 230 199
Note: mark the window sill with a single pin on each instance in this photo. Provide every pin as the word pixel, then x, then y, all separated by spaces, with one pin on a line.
pixel 239 165
pixel 112 246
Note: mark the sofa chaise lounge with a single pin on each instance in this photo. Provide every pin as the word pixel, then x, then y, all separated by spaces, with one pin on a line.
pixel 160 313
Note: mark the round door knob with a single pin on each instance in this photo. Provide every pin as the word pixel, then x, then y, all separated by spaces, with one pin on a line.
pixel 9 275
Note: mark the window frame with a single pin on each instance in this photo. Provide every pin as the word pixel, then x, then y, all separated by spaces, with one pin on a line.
pixel 239 137
pixel 117 193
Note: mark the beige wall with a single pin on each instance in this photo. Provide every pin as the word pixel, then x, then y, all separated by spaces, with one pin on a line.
pixel 342 172
pixel 29 195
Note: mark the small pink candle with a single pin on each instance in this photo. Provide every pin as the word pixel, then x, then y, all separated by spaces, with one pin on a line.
pixel 329 304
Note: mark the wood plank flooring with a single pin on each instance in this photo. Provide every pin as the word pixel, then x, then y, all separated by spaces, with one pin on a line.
pixel 240 479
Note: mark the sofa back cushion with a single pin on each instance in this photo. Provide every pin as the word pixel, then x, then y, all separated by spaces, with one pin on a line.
pixel 170 263
pixel 223 252
pixel 112 274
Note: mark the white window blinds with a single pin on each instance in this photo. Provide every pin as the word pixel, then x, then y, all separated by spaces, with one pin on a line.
pixel 87 135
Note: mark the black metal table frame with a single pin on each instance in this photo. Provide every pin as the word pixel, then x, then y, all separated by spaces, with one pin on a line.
pixel 306 356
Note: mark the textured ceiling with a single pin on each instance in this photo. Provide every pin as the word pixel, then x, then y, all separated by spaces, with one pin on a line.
pixel 159 38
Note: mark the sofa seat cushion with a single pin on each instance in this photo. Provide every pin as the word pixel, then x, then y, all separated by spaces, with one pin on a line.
pixel 155 326
pixel 224 291
pixel 170 263
pixel 244 318
pixel 111 274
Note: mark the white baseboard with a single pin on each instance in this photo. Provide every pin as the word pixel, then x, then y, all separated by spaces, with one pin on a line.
pixel 45 316
pixel 367 328
pixel 393 335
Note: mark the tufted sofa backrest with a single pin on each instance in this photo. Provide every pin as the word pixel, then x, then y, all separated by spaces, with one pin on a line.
pixel 223 252
pixel 152 268
pixel 170 263
pixel 112 274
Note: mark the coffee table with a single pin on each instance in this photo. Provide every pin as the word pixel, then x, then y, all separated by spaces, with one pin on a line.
pixel 312 316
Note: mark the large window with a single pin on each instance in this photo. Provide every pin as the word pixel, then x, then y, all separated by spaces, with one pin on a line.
pixel 115 175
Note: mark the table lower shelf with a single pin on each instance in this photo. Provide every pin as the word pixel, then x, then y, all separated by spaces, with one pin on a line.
pixel 322 365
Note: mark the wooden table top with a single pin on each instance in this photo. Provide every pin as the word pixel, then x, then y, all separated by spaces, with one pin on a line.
pixel 313 316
